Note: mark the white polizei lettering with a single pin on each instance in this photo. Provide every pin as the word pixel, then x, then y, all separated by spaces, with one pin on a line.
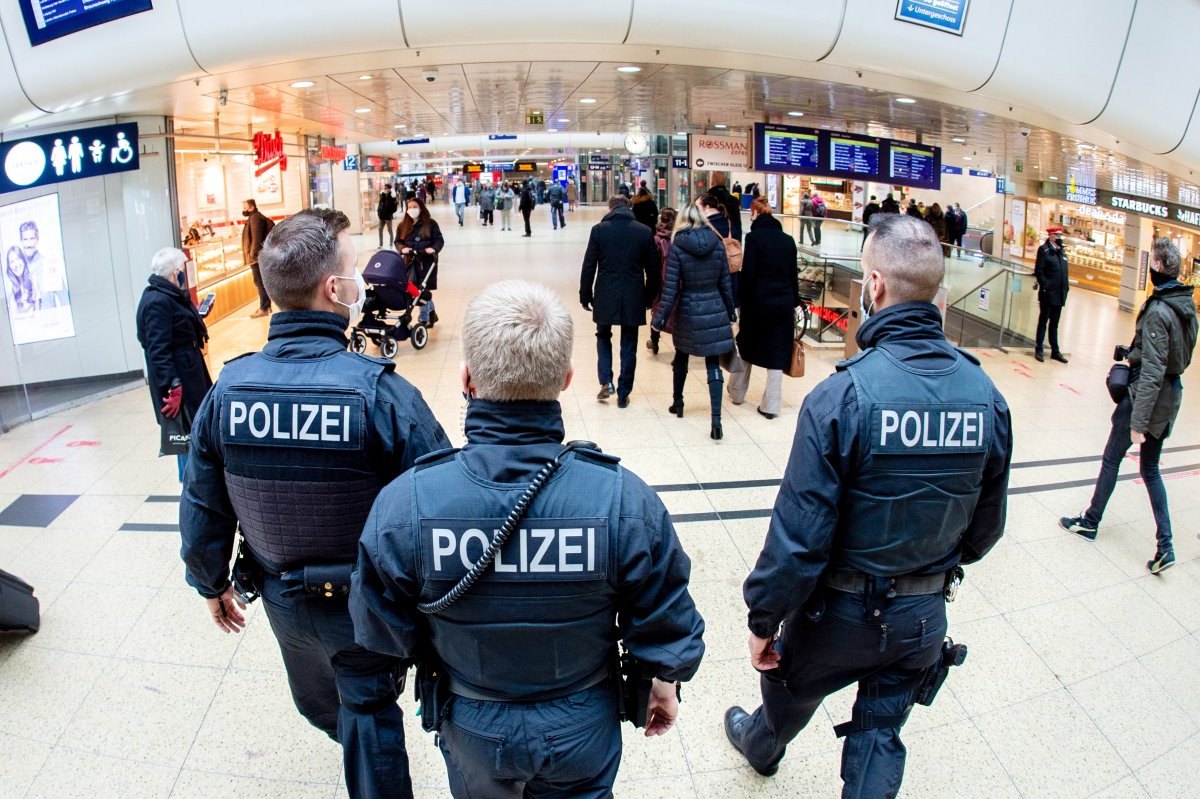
pixel 925 440
pixel 276 433
pixel 941 429
pixel 345 423
pixel 889 422
pixel 468 537
pixel 591 539
pixel 910 441
pixel 237 415
pixel 443 545
pixel 311 410
pixel 955 418
pixel 970 430
pixel 295 420
pixel 547 537
pixel 524 550
pixel 501 566
pixel 565 549
pixel 260 432
pixel 329 423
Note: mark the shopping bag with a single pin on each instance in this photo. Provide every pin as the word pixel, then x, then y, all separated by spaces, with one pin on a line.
pixel 796 367
pixel 174 434
pixel 732 361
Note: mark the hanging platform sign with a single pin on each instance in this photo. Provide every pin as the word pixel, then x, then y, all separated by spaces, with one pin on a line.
pixel 943 15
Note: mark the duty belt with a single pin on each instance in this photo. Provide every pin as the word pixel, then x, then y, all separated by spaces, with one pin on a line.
pixel 856 583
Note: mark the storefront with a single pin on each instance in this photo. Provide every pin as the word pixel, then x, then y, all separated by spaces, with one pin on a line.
pixel 214 176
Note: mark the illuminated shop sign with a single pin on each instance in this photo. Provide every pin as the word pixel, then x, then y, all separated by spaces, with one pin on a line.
pixel 332 153
pixel 1187 216
pixel 268 152
pixel 1085 195
pixel 69 155
pixel 1138 206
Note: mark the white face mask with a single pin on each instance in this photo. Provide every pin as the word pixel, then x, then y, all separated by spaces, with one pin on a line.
pixel 862 302
pixel 414 213
pixel 356 306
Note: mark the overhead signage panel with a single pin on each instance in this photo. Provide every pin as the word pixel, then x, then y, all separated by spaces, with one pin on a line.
pixel 501 136
pixel 847 156
pixel 69 155
pixel 679 162
pixel 918 165
pixel 854 156
pixel 47 20
pixel 717 153
pixel 788 147
pixel 943 15
pixel 525 166
pixel 412 141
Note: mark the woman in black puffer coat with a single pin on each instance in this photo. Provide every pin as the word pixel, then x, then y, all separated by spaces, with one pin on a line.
pixel 698 283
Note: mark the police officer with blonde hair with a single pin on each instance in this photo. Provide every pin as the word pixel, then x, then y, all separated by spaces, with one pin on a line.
pixel 292 445
pixel 898 474
pixel 512 567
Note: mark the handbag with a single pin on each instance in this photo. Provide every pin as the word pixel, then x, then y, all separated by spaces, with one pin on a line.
pixel 1117 381
pixel 796 367
pixel 732 361
pixel 174 434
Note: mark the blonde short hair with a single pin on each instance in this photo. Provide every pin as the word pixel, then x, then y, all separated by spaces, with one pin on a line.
pixel 166 262
pixel 517 338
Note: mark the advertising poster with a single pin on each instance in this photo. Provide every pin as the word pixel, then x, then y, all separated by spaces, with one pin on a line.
pixel 717 153
pixel 773 191
pixel 1033 229
pixel 791 194
pixel 268 186
pixel 1014 227
pixel 35 274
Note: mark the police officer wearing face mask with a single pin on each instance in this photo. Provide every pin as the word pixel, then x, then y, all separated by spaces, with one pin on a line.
pixel 291 445
pixel 527 651
pixel 898 474
pixel 1053 282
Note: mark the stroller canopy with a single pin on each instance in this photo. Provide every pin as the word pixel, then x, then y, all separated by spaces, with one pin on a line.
pixel 386 268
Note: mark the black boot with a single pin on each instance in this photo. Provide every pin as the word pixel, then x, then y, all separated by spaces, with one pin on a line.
pixel 678 378
pixel 716 380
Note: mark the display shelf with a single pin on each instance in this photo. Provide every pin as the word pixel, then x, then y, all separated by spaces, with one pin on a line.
pixel 216 260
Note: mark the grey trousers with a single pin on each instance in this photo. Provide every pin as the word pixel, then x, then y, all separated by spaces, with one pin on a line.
pixel 772 398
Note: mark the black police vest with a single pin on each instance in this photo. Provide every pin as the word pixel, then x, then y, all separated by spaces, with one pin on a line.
pixel 925 437
pixel 297 441
pixel 541 622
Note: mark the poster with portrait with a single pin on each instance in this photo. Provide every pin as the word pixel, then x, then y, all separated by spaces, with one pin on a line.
pixel 35 273
pixel 1014 229
pixel 268 186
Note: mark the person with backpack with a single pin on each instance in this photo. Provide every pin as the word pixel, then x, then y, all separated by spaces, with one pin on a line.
pixel 1161 352
pixel 386 211
pixel 487 205
pixel 806 219
pixel 820 211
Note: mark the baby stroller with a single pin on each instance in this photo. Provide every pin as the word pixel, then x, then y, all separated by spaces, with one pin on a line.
pixel 391 297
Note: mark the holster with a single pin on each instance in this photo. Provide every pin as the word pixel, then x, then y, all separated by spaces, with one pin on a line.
pixel 247 574
pixel 432 691
pixel 634 682
pixel 931 682
pixel 327 581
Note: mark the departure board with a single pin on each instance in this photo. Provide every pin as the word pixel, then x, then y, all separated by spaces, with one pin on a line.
pixel 788 149
pixel 854 157
pixel 46 20
pixel 914 165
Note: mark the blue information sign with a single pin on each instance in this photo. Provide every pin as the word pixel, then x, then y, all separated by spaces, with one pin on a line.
pixel 916 165
pixel 787 149
pixel 980 173
pixel 500 166
pixel 68 155
pixel 943 15
pixel 412 141
pixel 46 20
pixel 501 136
pixel 951 170
pixel 679 162
pixel 350 164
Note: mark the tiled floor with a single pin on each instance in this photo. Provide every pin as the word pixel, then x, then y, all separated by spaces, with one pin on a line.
pixel 1082 678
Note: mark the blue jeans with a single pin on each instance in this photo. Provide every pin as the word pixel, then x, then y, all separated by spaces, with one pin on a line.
pixel 567 748
pixel 1119 442
pixel 458 209
pixel 181 461
pixel 426 310
pixel 629 337
pixel 556 215
pixel 342 689
pixel 822 655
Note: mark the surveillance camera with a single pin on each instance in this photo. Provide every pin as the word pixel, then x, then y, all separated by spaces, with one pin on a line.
pixel 430 75
pixel 1025 132
pixel 224 96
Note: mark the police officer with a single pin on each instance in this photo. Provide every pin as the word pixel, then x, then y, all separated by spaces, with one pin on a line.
pixel 1053 282
pixel 898 473
pixel 292 444
pixel 528 651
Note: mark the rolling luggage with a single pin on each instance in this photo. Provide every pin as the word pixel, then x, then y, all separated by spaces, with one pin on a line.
pixel 19 608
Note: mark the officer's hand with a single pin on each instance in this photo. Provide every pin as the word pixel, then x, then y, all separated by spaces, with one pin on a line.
pixel 763 656
pixel 663 708
pixel 226 611
pixel 172 402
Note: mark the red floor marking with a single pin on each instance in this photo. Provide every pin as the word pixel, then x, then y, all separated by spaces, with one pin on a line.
pixel 1174 476
pixel 29 454
pixel 1060 385
pixel 44 460
pixel 83 443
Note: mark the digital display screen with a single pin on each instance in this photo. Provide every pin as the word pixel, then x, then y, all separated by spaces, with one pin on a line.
pixel 35 271
pixel 789 148
pixel 46 20
pixel 853 157
pixel 914 165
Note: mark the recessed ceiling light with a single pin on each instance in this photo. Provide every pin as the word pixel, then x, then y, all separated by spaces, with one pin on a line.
pixel 629 70
pixel 681 133
pixel 587 100
pixel 795 113
pixel 399 127
pixel 563 119
pixel 905 100
pixel 362 110
pixel 720 127
pixel 365 77
pixel 1054 177
pixel 958 140
pixel 303 84
pixel 966 158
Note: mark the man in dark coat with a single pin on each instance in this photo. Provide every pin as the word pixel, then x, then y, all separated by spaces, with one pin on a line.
pixel 621 273
pixel 1052 277
pixel 889 205
pixel 869 211
pixel 386 211
pixel 254 233
pixel 733 208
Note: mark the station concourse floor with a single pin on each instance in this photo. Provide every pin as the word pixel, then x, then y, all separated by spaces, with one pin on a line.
pixel 1082 679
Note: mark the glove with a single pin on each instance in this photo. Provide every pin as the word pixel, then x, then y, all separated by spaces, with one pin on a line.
pixel 587 306
pixel 172 402
pixel 733 318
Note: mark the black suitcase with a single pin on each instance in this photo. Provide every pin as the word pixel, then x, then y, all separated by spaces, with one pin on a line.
pixel 19 609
